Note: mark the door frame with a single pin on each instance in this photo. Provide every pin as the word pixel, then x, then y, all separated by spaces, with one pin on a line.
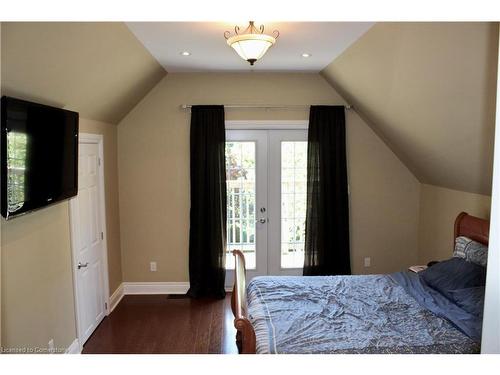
pixel 97 139
pixel 267 125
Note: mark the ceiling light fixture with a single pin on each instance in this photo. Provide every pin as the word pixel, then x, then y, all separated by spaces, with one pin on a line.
pixel 252 43
pixel 186 53
pixel 306 55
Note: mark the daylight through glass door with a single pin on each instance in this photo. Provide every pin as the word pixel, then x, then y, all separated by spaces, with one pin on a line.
pixel 293 203
pixel 266 178
pixel 240 180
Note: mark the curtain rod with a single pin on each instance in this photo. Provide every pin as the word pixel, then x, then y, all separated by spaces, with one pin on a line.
pixel 298 107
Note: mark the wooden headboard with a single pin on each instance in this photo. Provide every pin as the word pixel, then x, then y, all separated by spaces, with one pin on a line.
pixel 475 228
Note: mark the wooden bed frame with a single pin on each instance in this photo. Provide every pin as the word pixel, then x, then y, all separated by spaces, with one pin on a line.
pixel 473 227
pixel 245 334
pixel 465 225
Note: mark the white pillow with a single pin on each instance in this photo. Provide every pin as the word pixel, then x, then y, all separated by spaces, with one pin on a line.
pixel 471 251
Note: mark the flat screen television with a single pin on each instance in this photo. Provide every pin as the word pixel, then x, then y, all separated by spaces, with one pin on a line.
pixel 39 156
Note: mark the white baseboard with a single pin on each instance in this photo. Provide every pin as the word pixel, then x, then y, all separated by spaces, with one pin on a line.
pixel 115 298
pixel 74 348
pixel 149 288
pixel 155 287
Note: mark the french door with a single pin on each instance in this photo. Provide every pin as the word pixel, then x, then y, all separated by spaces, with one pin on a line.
pixel 266 200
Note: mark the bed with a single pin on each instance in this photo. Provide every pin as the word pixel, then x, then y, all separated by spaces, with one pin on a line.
pixel 396 313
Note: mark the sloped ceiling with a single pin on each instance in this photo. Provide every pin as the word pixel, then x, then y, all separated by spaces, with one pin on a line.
pixel 98 69
pixel 428 90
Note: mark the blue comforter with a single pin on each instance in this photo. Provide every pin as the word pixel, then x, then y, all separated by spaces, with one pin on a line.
pixel 354 314
pixel 463 307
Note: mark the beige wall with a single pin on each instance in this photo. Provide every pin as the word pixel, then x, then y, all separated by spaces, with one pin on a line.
pixel 98 69
pixel 153 159
pixel 438 209
pixel 428 89
pixel 37 284
pixel 384 203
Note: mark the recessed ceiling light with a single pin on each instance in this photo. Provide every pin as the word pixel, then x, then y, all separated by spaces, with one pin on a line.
pixel 185 53
pixel 306 55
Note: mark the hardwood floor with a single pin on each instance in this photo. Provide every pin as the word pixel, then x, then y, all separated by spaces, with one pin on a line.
pixel 146 324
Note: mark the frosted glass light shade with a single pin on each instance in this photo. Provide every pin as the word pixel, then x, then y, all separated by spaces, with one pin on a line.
pixel 251 47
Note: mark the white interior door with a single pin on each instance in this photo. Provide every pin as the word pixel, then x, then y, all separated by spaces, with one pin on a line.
pixel 88 243
pixel 266 200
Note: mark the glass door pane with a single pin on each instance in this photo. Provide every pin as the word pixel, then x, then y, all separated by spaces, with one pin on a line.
pixel 293 202
pixel 240 182
pixel 246 181
pixel 287 201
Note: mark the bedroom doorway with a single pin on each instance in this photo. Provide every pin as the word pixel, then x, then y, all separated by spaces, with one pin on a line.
pixel 88 228
pixel 266 200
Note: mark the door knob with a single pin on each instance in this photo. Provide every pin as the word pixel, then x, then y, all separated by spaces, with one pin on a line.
pixel 262 220
pixel 80 265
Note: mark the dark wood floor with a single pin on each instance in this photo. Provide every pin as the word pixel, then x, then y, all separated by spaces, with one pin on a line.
pixel 165 324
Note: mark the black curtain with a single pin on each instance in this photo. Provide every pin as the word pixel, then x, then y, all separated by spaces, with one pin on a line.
pixel 207 232
pixel 327 215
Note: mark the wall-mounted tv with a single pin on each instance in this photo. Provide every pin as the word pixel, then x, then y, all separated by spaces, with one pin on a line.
pixel 39 156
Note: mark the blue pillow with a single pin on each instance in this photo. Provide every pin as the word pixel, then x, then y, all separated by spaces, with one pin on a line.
pixel 453 274
pixel 469 299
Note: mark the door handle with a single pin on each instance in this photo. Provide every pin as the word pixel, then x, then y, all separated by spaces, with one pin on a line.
pixel 262 220
pixel 80 265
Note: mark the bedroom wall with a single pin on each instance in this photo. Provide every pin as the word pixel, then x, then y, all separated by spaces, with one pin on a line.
pixel 37 284
pixel 153 159
pixel 98 69
pixel 44 62
pixel 431 110
pixel 428 89
pixel 439 208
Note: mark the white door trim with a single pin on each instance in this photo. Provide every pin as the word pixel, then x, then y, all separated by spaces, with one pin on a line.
pixel 91 139
pixel 267 124
pixel 74 348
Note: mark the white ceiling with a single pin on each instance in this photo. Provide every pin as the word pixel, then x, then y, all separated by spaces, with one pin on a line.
pixel 209 51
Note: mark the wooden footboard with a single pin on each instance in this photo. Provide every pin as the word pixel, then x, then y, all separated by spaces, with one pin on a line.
pixel 245 335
